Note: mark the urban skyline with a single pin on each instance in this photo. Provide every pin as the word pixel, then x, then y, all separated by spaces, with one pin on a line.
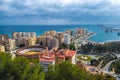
pixel 59 40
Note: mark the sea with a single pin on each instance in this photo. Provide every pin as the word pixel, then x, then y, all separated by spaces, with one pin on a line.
pixel 104 33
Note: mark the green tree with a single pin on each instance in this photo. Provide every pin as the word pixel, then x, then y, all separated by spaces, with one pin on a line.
pixel 94 62
pixel 20 68
pixel 116 66
pixel 72 46
pixel 5 65
pixel 68 71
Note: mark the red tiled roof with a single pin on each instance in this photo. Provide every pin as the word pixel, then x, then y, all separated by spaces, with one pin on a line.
pixel 65 53
pixel 61 56
pixel 47 57
pixel 70 53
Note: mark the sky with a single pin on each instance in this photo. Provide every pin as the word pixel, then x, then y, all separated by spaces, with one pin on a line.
pixel 35 12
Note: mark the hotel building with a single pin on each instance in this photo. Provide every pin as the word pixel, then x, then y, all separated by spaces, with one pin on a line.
pixel 54 43
pixel 41 40
pixel 50 33
pixel 10 44
pixel 18 35
pixel 60 38
pixel 3 39
pixel 32 41
pixel 48 41
pixel 67 39
pixel 81 31
pixel 23 38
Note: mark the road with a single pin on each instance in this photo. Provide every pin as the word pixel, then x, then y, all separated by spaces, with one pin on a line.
pixel 107 66
pixel 106 70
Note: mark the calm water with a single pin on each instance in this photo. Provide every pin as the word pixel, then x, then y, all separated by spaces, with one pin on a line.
pixel 101 35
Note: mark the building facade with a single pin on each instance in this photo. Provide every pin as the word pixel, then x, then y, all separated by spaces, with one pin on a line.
pixel 41 40
pixel 54 43
pixel 67 39
pixel 10 45
pixel 60 38
pixel 2 48
pixel 3 37
pixel 66 55
pixel 24 38
pixel 46 59
pixel 81 31
pixel 48 41
pixel 32 41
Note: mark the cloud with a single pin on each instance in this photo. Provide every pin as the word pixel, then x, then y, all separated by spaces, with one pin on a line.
pixel 59 10
pixel 56 5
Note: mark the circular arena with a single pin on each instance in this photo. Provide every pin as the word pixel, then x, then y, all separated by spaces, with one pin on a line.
pixel 30 52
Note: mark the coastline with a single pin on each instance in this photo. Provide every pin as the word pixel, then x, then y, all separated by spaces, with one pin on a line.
pixel 112 41
pixel 91 34
pixel 40 29
pixel 94 33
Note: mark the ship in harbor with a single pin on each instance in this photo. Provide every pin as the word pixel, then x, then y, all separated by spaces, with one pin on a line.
pixel 111 29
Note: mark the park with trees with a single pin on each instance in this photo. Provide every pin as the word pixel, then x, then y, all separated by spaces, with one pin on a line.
pixel 112 47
